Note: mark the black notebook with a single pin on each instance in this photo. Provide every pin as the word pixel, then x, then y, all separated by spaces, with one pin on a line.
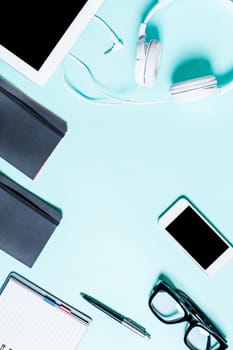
pixel 28 132
pixel 26 221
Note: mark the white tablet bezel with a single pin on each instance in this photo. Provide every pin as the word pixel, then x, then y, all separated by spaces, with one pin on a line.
pixel 68 39
pixel 173 212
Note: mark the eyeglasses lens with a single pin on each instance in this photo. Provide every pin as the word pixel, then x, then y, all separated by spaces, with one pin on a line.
pixel 166 307
pixel 200 339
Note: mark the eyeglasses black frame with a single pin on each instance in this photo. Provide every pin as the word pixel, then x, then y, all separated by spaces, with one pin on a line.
pixel 193 315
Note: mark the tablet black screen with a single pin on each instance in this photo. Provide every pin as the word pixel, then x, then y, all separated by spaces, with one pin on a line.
pixel 31 29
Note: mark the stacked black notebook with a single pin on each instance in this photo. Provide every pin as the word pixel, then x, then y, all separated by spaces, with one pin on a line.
pixel 28 132
pixel 26 221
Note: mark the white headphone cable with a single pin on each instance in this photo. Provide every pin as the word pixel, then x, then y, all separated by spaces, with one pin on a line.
pixel 117 42
pixel 117 100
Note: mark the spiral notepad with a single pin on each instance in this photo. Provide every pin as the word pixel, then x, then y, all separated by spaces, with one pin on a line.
pixel 32 319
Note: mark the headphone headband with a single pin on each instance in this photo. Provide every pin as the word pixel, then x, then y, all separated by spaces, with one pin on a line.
pixel 162 3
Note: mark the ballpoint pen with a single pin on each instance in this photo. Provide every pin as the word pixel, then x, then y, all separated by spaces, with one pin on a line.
pixel 125 321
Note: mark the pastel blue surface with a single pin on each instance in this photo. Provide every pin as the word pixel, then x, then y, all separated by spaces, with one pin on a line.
pixel 120 166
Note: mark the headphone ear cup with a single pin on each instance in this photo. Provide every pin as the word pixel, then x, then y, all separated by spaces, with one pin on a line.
pixel 152 63
pixel 140 62
pixel 194 89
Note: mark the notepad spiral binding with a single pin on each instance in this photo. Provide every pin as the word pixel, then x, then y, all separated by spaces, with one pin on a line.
pixel 4 347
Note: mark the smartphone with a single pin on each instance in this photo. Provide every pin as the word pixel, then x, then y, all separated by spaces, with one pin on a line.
pixel 196 235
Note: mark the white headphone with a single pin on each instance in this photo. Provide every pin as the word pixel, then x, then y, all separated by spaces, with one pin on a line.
pixel 148 57
pixel 148 62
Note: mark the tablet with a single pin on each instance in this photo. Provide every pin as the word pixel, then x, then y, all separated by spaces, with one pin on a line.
pixel 36 35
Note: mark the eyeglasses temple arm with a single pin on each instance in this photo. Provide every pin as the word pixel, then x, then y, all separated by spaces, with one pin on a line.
pixel 208 345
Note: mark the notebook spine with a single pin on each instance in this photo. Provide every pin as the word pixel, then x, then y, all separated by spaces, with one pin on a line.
pixel 33 111
pixel 29 204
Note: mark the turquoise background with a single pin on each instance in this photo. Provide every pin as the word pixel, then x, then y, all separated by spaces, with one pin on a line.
pixel 119 167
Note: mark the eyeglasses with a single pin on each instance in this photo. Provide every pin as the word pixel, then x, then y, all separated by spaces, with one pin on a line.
pixel 172 306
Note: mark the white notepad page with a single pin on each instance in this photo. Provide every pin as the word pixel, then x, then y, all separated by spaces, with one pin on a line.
pixel 27 322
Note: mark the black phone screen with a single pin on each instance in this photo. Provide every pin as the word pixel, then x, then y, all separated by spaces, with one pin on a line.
pixel 197 237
